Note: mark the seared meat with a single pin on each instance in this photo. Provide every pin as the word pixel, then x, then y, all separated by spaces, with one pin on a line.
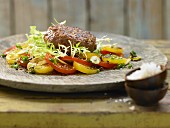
pixel 60 34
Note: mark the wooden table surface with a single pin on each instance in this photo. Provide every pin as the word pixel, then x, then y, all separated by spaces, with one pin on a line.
pixel 25 109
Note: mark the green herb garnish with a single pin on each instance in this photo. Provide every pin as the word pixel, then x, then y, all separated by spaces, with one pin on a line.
pixel 53 60
pixel 24 58
pixel 15 65
pixel 18 46
pixel 3 55
pixel 31 70
pixel 129 66
pixel 133 53
pixel 134 56
pixel 119 66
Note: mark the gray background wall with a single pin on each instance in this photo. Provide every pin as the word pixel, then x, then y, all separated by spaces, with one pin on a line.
pixel 143 19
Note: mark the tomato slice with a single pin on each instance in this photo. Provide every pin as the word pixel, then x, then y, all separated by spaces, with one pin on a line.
pixel 113 59
pixel 112 50
pixel 81 61
pixel 9 49
pixel 107 65
pixel 23 63
pixel 85 69
pixel 104 52
pixel 59 67
pixel 24 60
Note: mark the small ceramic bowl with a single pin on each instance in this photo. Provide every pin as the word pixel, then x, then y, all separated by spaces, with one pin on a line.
pixel 148 83
pixel 146 97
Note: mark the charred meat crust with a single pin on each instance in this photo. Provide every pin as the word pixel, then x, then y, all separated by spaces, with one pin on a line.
pixel 60 34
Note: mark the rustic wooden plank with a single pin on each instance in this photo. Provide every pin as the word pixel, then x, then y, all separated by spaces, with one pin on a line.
pixel 30 12
pixel 145 19
pixel 73 11
pixel 62 110
pixel 19 101
pixel 78 120
pixel 107 16
pixel 5 18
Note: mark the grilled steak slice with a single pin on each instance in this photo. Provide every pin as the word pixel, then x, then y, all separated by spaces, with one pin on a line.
pixel 60 34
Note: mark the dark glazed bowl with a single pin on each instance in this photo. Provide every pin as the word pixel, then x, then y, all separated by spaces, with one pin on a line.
pixel 146 97
pixel 148 83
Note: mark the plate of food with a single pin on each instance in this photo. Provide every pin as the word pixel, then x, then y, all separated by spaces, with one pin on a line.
pixel 69 59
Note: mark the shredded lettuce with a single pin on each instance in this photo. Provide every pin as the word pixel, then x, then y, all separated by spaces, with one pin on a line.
pixel 61 23
pixel 78 49
pixel 99 42
pixel 38 48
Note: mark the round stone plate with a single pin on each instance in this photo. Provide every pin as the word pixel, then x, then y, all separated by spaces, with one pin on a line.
pixel 105 80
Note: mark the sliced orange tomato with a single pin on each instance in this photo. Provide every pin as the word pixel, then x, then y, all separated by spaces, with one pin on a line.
pixel 112 50
pixel 9 49
pixel 84 69
pixel 81 61
pixel 107 65
pixel 59 67
pixel 104 52
pixel 113 59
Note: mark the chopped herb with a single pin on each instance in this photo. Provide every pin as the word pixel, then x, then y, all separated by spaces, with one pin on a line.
pixel 129 66
pixel 24 58
pixel 15 65
pixel 120 58
pixel 133 53
pixel 51 59
pixel 119 66
pixel 107 56
pixel 113 57
pixel 116 57
pixel 134 56
pixel 31 70
pixel 18 46
pixel 3 55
